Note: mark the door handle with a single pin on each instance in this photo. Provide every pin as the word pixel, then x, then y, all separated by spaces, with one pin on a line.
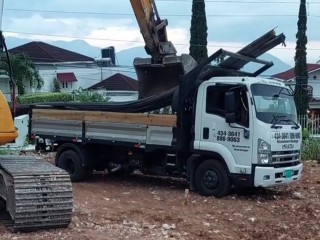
pixel 205 133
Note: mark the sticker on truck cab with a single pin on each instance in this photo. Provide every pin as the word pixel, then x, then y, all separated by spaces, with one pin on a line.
pixel 228 136
pixel 285 141
pixel 285 137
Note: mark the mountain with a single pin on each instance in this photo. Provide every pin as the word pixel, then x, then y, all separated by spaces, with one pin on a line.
pixel 13 42
pixel 278 65
pixel 126 57
pixel 78 46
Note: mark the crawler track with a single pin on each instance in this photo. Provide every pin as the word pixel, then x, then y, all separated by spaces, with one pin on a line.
pixel 38 195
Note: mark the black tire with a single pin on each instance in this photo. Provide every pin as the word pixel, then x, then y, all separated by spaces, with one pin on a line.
pixel 71 162
pixel 211 179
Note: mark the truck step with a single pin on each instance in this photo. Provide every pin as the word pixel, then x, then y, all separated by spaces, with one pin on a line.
pixel 171 159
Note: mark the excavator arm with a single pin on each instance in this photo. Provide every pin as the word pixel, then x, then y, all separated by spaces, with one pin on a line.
pixel 153 29
pixel 161 72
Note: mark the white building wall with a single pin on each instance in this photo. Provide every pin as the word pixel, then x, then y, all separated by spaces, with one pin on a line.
pixel 121 96
pixel 86 75
pixel 314 81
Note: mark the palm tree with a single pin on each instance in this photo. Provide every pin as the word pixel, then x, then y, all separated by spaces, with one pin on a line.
pixel 23 69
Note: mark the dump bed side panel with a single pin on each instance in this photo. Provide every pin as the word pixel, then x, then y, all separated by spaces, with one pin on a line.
pixel 116 132
pixel 91 126
pixel 65 128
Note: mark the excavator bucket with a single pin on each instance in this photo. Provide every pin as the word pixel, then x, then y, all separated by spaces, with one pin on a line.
pixel 155 78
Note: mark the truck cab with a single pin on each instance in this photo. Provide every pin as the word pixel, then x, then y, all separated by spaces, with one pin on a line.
pixel 251 124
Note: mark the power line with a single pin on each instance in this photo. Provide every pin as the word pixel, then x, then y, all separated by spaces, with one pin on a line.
pixel 134 41
pixel 167 15
pixel 237 1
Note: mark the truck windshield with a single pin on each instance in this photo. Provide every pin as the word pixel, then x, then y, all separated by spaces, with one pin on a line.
pixel 273 102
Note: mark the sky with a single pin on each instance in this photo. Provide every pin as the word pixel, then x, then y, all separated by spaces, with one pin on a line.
pixel 232 24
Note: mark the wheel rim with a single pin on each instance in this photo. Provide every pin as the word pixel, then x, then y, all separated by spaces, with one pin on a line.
pixel 210 179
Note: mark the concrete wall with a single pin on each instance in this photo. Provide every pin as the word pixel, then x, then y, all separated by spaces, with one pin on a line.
pixel 119 96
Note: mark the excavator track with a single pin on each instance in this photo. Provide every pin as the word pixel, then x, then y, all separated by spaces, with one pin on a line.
pixel 38 195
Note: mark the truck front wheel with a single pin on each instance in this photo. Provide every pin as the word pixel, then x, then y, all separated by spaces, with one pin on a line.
pixel 70 161
pixel 211 179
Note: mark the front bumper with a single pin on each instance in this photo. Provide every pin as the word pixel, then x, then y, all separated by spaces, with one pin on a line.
pixel 270 176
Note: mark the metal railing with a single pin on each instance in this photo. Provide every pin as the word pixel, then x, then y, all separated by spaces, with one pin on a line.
pixel 311 123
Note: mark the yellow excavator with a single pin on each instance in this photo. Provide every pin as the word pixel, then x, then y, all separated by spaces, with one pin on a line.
pixel 161 72
pixel 34 193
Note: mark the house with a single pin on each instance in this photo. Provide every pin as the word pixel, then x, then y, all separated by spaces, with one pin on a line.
pixel 313 83
pixel 118 88
pixel 69 69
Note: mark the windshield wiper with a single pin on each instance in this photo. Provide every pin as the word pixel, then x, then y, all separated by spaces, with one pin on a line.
pixel 275 121
pixel 280 92
pixel 296 125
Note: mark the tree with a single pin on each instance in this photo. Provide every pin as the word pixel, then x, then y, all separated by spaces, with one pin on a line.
pixel 198 31
pixel 301 69
pixel 56 86
pixel 23 69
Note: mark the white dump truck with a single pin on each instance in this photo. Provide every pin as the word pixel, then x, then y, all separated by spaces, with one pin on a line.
pixel 226 129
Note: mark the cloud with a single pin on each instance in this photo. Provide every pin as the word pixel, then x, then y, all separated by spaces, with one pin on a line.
pixel 231 24
pixel 124 37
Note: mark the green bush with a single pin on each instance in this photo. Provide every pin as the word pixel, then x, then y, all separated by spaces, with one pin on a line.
pixel 310 149
pixel 87 96
pixel 44 97
pixel 305 134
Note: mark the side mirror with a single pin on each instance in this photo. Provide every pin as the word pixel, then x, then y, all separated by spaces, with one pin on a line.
pixel 230 107
pixel 230 102
pixel 230 117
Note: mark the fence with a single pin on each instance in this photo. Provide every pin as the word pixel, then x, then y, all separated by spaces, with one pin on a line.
pixel 312 124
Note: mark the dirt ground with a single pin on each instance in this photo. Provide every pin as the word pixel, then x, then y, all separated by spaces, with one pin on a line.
pixel 143 207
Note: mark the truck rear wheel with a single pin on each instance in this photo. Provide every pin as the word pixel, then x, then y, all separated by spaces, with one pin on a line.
pixel 70 161
pixel 211 179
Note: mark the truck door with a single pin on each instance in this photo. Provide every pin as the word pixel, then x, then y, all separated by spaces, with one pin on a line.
pixel 229 140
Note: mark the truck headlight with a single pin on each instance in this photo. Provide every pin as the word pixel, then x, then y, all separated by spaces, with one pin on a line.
pixel 264 152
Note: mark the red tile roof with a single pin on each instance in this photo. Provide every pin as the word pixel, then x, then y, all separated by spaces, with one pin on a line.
pixel 287 75
pixel 117 82
pixel 42 52
pixel 67 77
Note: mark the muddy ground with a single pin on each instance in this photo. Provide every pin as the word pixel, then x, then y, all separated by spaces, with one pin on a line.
pixel 143 207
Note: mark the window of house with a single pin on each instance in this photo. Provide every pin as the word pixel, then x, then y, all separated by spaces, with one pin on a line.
pixel 310 91
pixel 64 84
pixel 215 102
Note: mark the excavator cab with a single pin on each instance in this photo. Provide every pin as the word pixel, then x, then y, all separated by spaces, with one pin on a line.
pixel 8 132
pixel 160 72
